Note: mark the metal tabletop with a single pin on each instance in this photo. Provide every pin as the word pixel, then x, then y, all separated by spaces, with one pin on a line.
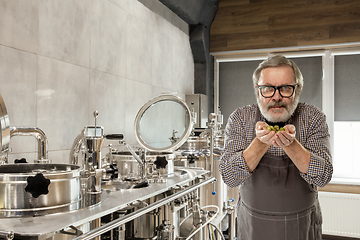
pixel 45 226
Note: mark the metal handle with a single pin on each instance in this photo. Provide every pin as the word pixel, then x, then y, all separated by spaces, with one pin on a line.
pixel 131 150
pixel 40 137
pixel 114 136
pixel 8 235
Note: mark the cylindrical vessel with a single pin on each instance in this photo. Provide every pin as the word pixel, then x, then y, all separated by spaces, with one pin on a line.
pixel 4 132
pixel 165 231
pixel 63 186
pixel 142 227
pixel 219 142
pixel 129 168
pixel 215 193
pixel 195 143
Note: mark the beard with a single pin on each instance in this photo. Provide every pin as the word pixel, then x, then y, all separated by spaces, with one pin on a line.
pixel 284 116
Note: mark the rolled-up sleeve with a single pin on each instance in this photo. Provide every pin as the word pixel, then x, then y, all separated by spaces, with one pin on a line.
pixel 233 167
pixel 314 136
pixel 320 169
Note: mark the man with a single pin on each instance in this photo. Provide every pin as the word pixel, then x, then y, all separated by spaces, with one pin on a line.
pixel 278 171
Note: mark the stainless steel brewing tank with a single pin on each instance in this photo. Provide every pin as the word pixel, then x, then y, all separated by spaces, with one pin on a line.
pixel 195 154
pixel 216 193
pixel 195 143
pixel 211 194
pixel 38 189
pixel 219 146
pixel 219 142
pixel 4 132
pixel 130 169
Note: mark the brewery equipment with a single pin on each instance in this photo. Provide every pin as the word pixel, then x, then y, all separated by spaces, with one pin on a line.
pixel 128 195
pixel 4 132
pixel 28 189
pixel 39 136
pixel 204 149
pixel 198 103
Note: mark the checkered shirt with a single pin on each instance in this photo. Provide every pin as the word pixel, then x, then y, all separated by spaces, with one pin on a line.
pixel 314 136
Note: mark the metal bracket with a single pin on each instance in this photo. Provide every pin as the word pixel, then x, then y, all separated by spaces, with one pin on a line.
pixel 8 235
pixel 76 233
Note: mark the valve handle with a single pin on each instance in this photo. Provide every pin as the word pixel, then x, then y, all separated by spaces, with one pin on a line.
pixel 161 162
pixel 22 160
pixel 214 191
pixel 113 170
pixel 37 185
pixel 115 136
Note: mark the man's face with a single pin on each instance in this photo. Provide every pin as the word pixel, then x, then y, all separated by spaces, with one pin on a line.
pixel 277 108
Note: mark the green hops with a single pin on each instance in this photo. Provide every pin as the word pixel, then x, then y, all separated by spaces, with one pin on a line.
pixel 275 128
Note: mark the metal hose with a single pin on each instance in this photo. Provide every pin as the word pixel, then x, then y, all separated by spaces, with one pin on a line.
pixel 217 229
pixel 207 222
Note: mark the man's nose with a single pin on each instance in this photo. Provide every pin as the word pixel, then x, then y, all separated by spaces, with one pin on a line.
pixel 277 95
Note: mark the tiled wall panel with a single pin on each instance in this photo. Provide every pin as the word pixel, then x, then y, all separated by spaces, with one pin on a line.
pixel 61 60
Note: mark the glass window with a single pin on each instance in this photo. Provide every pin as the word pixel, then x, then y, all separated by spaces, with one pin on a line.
pixel 311 69
pixel 331 82
pixel 346 116
pixel 236 86
pixel 346 149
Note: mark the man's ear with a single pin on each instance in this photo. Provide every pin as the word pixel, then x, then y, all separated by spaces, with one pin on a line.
pixel 299 89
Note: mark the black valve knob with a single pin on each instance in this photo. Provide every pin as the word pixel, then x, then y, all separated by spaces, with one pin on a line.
pixel 191 158
pixel 160 162
pixel 113 170
pixel 37 185
pixel 22 160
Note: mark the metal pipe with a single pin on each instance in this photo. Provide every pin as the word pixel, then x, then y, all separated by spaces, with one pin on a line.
pixel 212 150
pixel 118 222
pixel 211 125
pixel 141 160
pixel 40 137
pixel 133 153
pixel 232 223
pixel 76 147
pixel 4 132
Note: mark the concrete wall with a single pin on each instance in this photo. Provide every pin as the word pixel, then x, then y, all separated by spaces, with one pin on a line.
pixel 61 60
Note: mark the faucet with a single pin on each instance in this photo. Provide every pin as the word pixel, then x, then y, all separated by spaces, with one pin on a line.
pixel 173 138
pixel 141 160
pixel 40 137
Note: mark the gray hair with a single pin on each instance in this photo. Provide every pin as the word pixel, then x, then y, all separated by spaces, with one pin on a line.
pixel 278 61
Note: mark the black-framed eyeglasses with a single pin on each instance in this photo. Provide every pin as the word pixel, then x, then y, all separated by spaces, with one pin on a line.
pixel 285 91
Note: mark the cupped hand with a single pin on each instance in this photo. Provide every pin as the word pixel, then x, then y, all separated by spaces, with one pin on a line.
pixel 285 138
pixel 263 134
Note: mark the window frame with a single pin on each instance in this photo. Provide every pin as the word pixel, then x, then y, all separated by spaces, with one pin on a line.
pixel 327 52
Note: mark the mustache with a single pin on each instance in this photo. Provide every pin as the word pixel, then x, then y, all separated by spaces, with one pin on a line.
pixel 276 104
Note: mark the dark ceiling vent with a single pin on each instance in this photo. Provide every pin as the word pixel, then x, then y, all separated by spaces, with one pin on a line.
pixel 199 14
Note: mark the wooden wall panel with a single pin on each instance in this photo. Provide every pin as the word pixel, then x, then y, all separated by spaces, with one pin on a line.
pixel 258 24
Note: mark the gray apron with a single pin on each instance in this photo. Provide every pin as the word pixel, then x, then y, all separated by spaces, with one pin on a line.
pixel 276 203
